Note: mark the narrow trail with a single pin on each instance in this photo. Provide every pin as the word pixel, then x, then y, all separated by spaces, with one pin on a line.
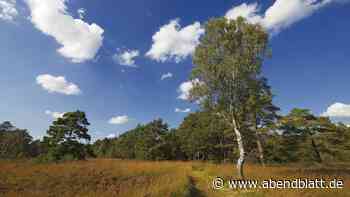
pixel 203 182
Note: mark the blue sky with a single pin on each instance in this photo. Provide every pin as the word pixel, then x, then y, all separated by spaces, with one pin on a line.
pixel 101 76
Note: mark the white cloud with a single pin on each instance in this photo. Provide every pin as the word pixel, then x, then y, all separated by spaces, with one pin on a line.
pixel 81 13
pixel 281 15
pixel 57 84
pixel 80 41
pixel 185 88
pixel 112 135
pixel 248 11
pixel 178 110
pixel 126 58
pixel 119 120
pixel 174 42
pixel 54 115
pixel 8 10
pixel 166 75
pixel 337 110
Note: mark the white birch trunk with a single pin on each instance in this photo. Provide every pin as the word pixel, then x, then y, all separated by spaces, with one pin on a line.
pixel 241 158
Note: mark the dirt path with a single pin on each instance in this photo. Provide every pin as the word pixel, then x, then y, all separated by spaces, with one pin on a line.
pixel 203 182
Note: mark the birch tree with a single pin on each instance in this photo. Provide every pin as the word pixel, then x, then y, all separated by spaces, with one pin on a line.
pixel 228 63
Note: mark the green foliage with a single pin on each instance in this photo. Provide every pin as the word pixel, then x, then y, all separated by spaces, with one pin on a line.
pixel 227 61
pixel 306 138
pixel 204 136
pixel 103 148
pixel 334 144
pixel 151 137
pixel 228 76
pixel 66 136
pixel 152 141
pixel 14 143
pixel 201 136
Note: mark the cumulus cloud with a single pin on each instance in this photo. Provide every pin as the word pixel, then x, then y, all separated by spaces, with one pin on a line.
pixel 281 15
pixel 81 13
pixel 178 110
pixel 339 110
pixel 166 75
pixel 8 10
pixel 118 120
pixel 185 89
pixel 248 11
pixel 174 42
pixel 57 84
pixel 54 115
pixel 112 135
pixel 80 41
pixel 126 58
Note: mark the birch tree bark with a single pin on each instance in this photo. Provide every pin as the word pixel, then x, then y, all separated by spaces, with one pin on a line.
pixel 241 158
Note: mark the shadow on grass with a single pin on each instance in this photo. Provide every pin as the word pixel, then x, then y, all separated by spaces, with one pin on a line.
pixel 190 190
pixel 194 191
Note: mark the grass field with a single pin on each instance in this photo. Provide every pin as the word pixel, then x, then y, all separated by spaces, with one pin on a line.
pixel 107 177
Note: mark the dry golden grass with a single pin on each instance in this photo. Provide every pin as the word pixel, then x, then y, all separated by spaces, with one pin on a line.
pixel 93 178
pixel 291 172
pixel 108 177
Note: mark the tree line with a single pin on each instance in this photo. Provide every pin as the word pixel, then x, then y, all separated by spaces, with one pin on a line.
pixel 298 136
pixel 236 121
pixel 66 139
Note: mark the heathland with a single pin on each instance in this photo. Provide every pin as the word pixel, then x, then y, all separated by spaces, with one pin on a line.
pixel 114 177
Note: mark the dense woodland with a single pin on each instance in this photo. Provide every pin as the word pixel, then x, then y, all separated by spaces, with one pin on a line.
pixel 204 137
pixel 297 137
pixel 236 120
